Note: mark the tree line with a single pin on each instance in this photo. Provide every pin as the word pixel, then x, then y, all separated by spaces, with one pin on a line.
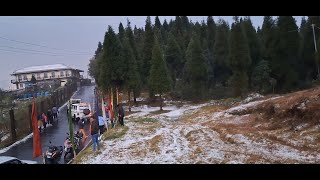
pixel 208 59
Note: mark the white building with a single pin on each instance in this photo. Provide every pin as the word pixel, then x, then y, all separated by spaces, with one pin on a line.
pixel 44 73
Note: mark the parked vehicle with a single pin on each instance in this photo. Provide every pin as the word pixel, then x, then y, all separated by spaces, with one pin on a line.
pixel 53 154
pixel 14 160
pixel 80 110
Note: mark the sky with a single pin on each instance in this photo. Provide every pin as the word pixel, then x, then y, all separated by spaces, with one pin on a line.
pixel 71 40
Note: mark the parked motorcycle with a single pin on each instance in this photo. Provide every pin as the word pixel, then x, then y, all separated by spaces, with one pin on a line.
pixel 53 154
pixel 68 148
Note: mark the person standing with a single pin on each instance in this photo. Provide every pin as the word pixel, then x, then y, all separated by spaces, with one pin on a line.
pixel 94 131
pixel 81 124
pixel 44 120
pixel 55 112
pixel 101 124
pixel 120 114
pixel 49 116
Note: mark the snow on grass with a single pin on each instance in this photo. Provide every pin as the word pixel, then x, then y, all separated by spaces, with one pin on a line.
pixel 253 96
pixel 16 143
pixel 180 142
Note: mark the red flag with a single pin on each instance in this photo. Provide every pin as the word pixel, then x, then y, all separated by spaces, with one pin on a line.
pixel 37 149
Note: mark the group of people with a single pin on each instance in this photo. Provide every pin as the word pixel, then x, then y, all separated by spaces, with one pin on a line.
pixel 98 125
pixel 45 119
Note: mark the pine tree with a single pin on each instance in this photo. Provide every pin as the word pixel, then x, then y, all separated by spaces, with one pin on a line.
pixel 285 64
pixel 132 80
pixel 93 67
pixel 114 68
pixel 239 59
pixel 147 50
pixel 220 54
pixel 121 33
pixel 98 51
pixel 268 38
pixel 174 58
pixel 137 59
pixel 210 37
pixel 157 23
pixel 308 51
pixel 253 43
pixel 165 25
pixel 159 80
pixel 261 77
pixel 195 75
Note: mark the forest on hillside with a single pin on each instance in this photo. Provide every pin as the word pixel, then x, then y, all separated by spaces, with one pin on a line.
pixel 208 59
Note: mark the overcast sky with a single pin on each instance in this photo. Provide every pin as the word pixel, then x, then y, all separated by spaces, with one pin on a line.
pixel 68 40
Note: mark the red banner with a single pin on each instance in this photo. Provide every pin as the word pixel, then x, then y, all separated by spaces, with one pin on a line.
pixel 37 149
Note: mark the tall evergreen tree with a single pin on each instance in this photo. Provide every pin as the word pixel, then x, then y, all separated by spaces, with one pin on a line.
pixel 261 77
pixel 239 59
pixel 195 74
pixel 98 51
pixel 159 80
pixel 174 58
pixel 121 33
pixel 166 25
pixel 137 59
pixel 253 43
pixel 132 80
pixel 220 54
pixel 114 68
pixel 93 67
pixel 157 22
pixel 268 38
pixel 284 65
pixel 308 50
pixel 147 50
pixel 210 37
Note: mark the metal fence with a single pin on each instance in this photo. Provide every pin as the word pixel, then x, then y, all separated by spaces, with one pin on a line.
pixel 16 123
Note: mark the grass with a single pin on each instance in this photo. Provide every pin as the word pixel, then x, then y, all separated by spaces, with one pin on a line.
pixel 159 112
pixel 143 120
pixel 154 143
pixel 114 133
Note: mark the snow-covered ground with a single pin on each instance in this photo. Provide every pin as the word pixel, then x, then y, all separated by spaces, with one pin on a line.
pixel 190 134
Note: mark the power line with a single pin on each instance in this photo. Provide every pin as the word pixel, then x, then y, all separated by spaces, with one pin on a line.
pixel 33 44
pixel 37 50
pixel 29 52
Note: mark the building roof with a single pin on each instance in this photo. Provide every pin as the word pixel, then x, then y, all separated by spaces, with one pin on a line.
pixel 43 68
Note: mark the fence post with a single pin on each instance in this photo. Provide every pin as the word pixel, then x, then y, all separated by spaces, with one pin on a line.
pixel 12 126
pixel 30 118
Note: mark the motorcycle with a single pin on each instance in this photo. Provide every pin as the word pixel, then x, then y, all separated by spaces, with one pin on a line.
pixel 68 148
pixel 53 154
pixel 68 151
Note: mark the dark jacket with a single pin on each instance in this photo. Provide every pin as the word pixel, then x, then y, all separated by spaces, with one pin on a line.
pixel 121 111
pixel 81 124
pixel 94 127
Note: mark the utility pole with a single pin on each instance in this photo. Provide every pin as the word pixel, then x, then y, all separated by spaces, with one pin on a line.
pixel 316 50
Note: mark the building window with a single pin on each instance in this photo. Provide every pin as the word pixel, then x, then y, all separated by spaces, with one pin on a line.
pixel 45 75
pixel 62 73
pixel 53 74
pixel 21 85
pixel 38 76
pixel 25 77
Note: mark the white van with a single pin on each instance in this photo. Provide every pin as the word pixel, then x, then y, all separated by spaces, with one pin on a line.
pixel 80 110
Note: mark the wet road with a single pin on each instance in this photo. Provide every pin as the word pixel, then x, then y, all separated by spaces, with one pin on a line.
pixel 56 133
